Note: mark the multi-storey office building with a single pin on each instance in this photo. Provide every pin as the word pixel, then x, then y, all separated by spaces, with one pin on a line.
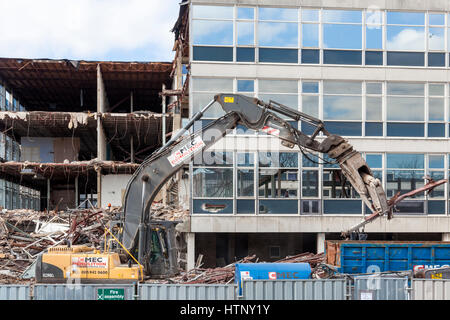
pixel 376 72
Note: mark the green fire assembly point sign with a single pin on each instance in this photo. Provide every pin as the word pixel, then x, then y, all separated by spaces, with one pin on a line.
pixel 110 294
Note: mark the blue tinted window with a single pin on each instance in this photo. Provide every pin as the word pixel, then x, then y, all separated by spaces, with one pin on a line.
pixel 405 59
pixel 310 206
pixel 436 161
pixel 342 36
pixel 212 32
pixel 342 57
pixel 245 33
pixel 308 163
pixel 410 207
pixel 400 38
pixel 405 129
pixel 405 160
pixel 436 19
pixel 310 35
pixel 278 206
pixel 213 53
pixel 278 14
pixel 374 160
pixel 436 130
pixel 310 15
pixel 213 206
pixel 344 128
pixel 212 12
pixel 405 88
pixel 245 159
pixel 374 58
pixel 278 55
pixel 245 13
pixel 436 59
pixel 278 159
pixel 245 54
pixel 246 85
pixel 342 206
pixel 310 87
pixel 406 18
pixel 245 206
pixel 278 34
pixel 374 37
pixel 307 128
pixel 374 129
pixel 310 56
pixel 436 207
pixel 350 16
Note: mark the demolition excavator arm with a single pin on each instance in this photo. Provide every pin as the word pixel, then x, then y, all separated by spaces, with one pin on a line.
pixel 254 114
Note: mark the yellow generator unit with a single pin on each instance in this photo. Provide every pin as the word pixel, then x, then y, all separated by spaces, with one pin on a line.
pixel 64 263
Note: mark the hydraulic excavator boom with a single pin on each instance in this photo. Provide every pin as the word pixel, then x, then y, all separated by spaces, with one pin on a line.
pixel 253 114
pixel 153 241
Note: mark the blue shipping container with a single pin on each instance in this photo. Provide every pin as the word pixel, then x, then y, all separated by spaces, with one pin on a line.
pixel 379 256
pixel 270 271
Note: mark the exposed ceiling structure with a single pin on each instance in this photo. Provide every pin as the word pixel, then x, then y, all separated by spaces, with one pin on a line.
pixel 145 128
pixel 63 85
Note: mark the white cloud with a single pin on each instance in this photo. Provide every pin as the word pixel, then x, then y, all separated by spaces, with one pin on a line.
pixel 88 29
pixel 406 39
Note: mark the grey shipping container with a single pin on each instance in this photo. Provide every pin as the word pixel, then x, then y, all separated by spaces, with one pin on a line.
pixel 311 289
pixel 187 292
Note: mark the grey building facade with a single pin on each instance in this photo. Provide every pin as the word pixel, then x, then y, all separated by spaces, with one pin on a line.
pixel 376 72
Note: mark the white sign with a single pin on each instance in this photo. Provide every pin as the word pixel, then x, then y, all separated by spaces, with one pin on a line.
pixel 245 275
pixel 90 262
pixel 365 295
pixel 186 151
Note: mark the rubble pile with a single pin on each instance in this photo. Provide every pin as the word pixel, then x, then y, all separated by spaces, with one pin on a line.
pixel 225 275
pixel 311 258
pixel 168 212
pixel 25 233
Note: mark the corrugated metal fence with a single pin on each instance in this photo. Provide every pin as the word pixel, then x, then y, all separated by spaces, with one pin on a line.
pixel 14 292
pixel 187 292
pixel 430 289
pixel 83 292
pixel 330 289
pixel 381 288
pixel 365 287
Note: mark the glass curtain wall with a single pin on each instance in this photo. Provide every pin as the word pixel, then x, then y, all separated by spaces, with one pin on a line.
pixel 368 37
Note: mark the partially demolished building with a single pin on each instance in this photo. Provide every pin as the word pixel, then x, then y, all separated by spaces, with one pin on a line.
pixel 73 131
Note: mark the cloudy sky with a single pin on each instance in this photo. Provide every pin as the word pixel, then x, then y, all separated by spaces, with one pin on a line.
pixel 114 30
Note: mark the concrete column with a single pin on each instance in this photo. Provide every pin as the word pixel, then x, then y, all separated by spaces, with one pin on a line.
pixel 48 194
pixel 320 242
pixel 131 137
pixel 101 138
pixel 190 256
pixel 101 107
pixel 446 236
pixel 163 142
pixel 76 192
